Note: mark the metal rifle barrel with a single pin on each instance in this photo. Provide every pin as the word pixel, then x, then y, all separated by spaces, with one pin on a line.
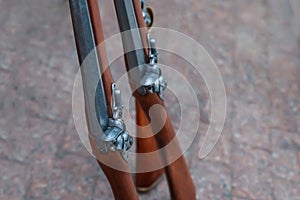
pixel 131 39
pixel 95 103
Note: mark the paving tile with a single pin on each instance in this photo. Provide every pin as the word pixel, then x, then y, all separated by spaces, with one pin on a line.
pixel 70 177
pixel 221 152
pixel 212 179
pixel 251 51
pixel 280 25
pixel 14 183
pixel 249 116
pixel 71 142
pixel 252 177
pixel 294 4
pixel 285 148
pixel 283 92
pixel 102 190
pixel 284 189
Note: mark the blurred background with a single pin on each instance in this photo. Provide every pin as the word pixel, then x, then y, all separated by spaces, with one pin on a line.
pixel 256 46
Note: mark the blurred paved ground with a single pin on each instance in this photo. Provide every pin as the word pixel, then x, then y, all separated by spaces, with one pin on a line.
pixel 256 45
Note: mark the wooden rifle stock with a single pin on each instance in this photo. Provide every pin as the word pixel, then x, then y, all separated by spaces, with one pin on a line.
pixel 145 143
pixel 144 181
pixel 180 182
pixel 121 181
pixel 178 176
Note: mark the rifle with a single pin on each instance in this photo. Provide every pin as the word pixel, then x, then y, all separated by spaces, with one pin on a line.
pixel 149 92
pixel 88 33
pixel 108 135
pixel 145 181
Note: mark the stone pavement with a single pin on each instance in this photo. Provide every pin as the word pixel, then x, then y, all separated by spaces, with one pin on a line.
pixel 256 45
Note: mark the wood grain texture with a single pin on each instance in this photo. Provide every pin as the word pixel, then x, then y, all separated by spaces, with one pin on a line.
pixel 145 181
pixel 180 182
pixel 144 145
pixel 121 182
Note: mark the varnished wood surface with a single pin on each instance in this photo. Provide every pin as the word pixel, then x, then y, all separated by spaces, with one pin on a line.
pixel 179 179
pixel 120 181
